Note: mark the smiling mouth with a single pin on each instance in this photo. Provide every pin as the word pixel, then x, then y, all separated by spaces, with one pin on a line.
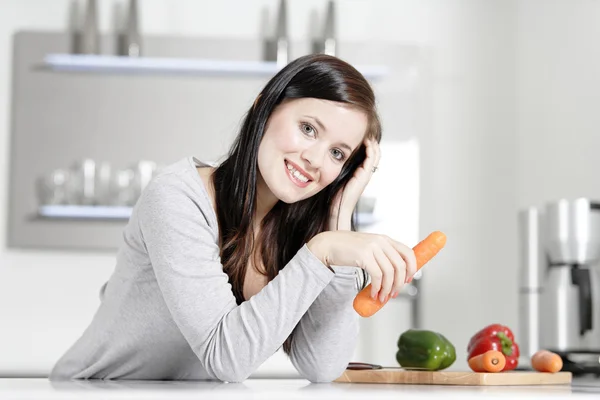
pixel 296 176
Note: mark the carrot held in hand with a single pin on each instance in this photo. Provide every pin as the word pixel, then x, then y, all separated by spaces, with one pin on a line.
pixel 424 251
pixel 490 361
pixel 546 361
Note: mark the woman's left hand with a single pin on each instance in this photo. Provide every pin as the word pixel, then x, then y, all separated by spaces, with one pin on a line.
pixel 346 200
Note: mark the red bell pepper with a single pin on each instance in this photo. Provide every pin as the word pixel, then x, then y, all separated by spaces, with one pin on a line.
pixel 495 337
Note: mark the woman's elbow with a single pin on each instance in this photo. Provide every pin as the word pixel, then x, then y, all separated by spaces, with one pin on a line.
pixel 323 374
pixel 232 376
pixel 231 371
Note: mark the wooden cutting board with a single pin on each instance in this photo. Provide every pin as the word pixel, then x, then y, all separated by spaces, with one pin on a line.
pixel 467 378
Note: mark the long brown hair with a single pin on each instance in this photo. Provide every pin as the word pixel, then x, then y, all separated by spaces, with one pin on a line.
pixel 287 227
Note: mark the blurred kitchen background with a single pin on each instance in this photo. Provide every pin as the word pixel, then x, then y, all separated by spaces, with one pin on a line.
pixel 489 108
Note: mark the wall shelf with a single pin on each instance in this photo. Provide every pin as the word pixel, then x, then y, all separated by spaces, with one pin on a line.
pixel 84 212
pixel 68 107
pixel 76 212
pixel 164 65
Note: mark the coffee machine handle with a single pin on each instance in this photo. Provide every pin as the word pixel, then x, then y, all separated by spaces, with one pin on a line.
pixel 581 278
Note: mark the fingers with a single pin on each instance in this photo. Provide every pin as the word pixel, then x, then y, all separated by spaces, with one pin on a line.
pixel 371 155
pixel 408 255
pixel 377 151
pixel 373 151
pixel 387 270
pixel 376 274
pixel 389 263
pixel 400 272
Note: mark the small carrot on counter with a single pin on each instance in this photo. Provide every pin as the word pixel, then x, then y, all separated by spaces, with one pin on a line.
pixel 425 250
pixel 490 361
pixel 546 361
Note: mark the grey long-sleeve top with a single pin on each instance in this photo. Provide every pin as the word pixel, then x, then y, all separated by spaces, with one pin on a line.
pixel 168 311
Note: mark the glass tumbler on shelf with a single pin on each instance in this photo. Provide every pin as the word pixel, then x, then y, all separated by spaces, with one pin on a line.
pixel 82 183
pixel 122 193
pixel 102 184
pixel 52 188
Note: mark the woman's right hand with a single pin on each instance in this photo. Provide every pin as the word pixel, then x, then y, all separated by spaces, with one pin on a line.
pixel 389 263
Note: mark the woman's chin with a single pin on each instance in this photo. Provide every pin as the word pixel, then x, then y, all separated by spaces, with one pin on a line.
pixel 289 197
pixel 290 194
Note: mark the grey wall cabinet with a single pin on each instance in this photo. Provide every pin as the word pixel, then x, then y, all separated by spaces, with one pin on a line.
pixel 61 117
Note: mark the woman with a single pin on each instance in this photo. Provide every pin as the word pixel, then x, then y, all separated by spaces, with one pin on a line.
pixel 222 267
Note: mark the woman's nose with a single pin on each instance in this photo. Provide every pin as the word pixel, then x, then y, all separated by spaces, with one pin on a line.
pixel 313 155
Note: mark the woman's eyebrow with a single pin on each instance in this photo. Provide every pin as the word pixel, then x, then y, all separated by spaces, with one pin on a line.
pixel 318 122
pixel 346 146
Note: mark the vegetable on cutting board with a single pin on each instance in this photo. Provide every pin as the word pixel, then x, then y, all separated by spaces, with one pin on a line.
pixel 546 361
pixel 424 251
pixel 495 337
pixel 425 349
pixel 490 361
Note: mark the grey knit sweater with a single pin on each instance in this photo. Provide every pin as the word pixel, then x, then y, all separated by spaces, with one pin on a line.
pixel 168 312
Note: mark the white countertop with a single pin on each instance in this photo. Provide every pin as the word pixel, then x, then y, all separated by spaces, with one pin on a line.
pixel 288 389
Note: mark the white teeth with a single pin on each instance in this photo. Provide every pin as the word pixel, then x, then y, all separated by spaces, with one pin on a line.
pixel 296 173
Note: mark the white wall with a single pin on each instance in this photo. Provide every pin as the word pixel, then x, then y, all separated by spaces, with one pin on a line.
pixel 482 154
pixel 558 97
pixel 469 173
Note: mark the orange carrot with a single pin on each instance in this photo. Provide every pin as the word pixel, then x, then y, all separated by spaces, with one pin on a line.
pixel 490 361
pixel 546 361
pixel 425 250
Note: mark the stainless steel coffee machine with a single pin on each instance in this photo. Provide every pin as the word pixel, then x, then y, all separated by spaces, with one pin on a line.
pixel 560 282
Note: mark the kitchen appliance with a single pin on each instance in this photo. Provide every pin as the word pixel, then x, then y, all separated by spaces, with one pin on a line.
pixel 560 282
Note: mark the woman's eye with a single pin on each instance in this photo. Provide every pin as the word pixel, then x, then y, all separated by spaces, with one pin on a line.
pixel 337 154
pixel 308 130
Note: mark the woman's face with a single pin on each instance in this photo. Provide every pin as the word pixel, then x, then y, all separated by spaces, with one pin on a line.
pixel 305 145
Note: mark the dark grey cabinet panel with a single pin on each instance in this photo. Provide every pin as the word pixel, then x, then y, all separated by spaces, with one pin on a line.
pixel 59 118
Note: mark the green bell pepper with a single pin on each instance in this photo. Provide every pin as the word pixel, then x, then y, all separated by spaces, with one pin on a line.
pixel 425 350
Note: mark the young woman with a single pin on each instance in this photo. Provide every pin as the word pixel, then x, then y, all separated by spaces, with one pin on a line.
pixel 221 267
